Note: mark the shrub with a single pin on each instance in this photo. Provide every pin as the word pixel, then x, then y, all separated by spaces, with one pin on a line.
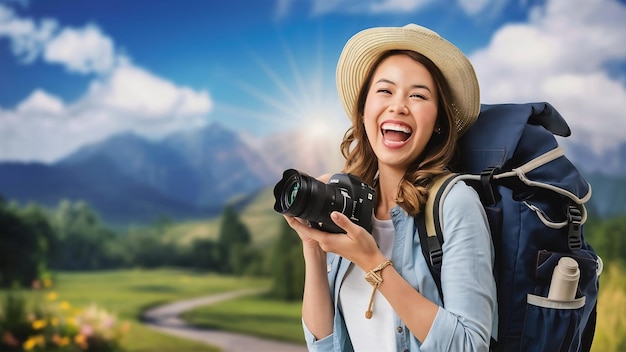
pixel 49 324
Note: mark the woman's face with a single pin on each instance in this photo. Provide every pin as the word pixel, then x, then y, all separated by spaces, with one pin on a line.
pixel 400 111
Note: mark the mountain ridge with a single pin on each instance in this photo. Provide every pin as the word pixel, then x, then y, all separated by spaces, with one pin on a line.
pixel 128 178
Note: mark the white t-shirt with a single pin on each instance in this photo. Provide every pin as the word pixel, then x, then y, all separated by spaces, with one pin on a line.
pixel 378 333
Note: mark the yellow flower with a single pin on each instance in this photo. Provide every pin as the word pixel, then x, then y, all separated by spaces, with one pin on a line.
pixel 39 324
pixel 33 341
pixel 60 341
pixel 81 341
pixel 51 296
pixel 65 305
pixel 54 321
pixel 30 343
pixel 71 321
pixel 47 283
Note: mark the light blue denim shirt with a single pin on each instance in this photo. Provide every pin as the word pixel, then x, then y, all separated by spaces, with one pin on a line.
pixel 469 318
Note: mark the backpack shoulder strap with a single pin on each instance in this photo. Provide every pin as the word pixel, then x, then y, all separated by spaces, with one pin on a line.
pixel 428 224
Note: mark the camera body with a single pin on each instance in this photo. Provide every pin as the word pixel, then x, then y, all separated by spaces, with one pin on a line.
pixel 298 194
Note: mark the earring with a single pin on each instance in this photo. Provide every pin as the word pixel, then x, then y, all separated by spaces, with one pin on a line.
pixel 438 130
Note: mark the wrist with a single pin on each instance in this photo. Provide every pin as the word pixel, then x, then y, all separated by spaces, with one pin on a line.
pixel 314 255
pixel 375 277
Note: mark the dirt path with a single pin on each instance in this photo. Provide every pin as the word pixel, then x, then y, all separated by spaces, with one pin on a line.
pixel 166 318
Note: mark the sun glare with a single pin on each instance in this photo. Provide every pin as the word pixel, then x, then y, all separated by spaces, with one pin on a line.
pixel 305 107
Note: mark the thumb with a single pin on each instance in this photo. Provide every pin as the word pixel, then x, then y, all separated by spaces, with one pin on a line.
pixel 342 221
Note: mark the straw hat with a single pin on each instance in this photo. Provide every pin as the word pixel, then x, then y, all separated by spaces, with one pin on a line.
pixel 365 47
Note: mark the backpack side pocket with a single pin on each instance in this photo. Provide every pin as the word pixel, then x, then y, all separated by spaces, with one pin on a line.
pixel 546 318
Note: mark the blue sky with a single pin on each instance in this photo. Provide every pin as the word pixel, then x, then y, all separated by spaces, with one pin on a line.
pixel 73 72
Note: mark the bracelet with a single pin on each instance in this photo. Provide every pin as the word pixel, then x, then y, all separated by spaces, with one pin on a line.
pixel 375 278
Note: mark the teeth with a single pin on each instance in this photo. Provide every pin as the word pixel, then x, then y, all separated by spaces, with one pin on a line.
pixel 389 126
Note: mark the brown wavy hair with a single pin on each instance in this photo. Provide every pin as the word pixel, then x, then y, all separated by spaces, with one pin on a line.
pixel 434 160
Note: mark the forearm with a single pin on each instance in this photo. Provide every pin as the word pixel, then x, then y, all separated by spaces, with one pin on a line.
pixel 416 311
pixel 317 307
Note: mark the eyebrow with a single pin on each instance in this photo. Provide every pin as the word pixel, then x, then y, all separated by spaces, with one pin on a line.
pixel 419 86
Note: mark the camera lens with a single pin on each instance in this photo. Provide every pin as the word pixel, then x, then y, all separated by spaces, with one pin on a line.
pixel 298 194
pixel 291 192
pixel 294 193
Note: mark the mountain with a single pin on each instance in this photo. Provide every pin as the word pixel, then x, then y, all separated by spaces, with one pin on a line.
pixel 128 178
pixel 608 195
pixel 150 163
pixel 116 197
pixel 224 164
pixel 611 162
pixel 606 172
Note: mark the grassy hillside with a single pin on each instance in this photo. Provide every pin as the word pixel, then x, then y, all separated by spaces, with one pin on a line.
pixel 259 216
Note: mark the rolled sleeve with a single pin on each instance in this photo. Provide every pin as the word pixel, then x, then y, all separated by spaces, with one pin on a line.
pixel 313 344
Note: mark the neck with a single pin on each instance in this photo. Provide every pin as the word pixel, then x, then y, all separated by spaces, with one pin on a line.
pixel 388 182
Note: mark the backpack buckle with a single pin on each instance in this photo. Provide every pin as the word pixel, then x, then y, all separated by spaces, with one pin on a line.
pixel 574 233
pixel 435 253
pixel 436 257
pixel 486 180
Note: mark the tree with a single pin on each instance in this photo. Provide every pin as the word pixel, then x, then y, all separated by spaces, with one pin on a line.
pixel 203 254
pixel 288 266
pixel 233 243
pixel 23 247
pixel 607 238
pixel 84 242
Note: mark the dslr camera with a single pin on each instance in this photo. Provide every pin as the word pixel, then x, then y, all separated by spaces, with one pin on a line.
pixel 300 195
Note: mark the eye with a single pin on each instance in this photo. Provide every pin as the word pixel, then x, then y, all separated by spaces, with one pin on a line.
pixel 418 96
pixel 383 90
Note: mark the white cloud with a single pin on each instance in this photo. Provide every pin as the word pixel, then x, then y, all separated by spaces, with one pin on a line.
pixel 80 50
pixel 473 7
pixel 135 91
pixel 321 7
pixel 83 50
pixel 121 97
pixel 41 102
pixel 560 56
pixel 43 128
pixel 398 6
pixel 27 38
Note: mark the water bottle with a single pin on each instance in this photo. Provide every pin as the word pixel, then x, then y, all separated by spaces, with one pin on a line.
pixel 564 280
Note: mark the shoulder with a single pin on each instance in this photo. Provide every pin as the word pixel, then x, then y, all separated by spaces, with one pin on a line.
pixel 461 193
pixel 461 200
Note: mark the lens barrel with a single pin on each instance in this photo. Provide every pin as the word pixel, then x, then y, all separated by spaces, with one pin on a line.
pixel 300 195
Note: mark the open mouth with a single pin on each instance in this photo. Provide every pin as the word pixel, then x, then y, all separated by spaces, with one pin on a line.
pixel 395 132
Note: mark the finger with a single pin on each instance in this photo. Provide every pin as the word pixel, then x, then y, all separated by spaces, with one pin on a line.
pixel 342 221
pixel 295 223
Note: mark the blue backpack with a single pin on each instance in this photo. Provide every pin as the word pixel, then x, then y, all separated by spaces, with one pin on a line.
pixel 535 199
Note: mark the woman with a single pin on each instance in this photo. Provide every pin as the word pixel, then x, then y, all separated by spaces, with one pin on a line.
pixel 409 94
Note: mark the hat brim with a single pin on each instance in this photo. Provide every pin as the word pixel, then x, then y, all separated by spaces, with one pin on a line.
pixel 365 47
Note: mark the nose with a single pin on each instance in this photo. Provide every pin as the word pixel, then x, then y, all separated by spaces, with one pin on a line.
pixel 398 106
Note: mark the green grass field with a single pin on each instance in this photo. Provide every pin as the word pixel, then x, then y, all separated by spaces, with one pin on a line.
pixel 127 293
pixel 256 315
